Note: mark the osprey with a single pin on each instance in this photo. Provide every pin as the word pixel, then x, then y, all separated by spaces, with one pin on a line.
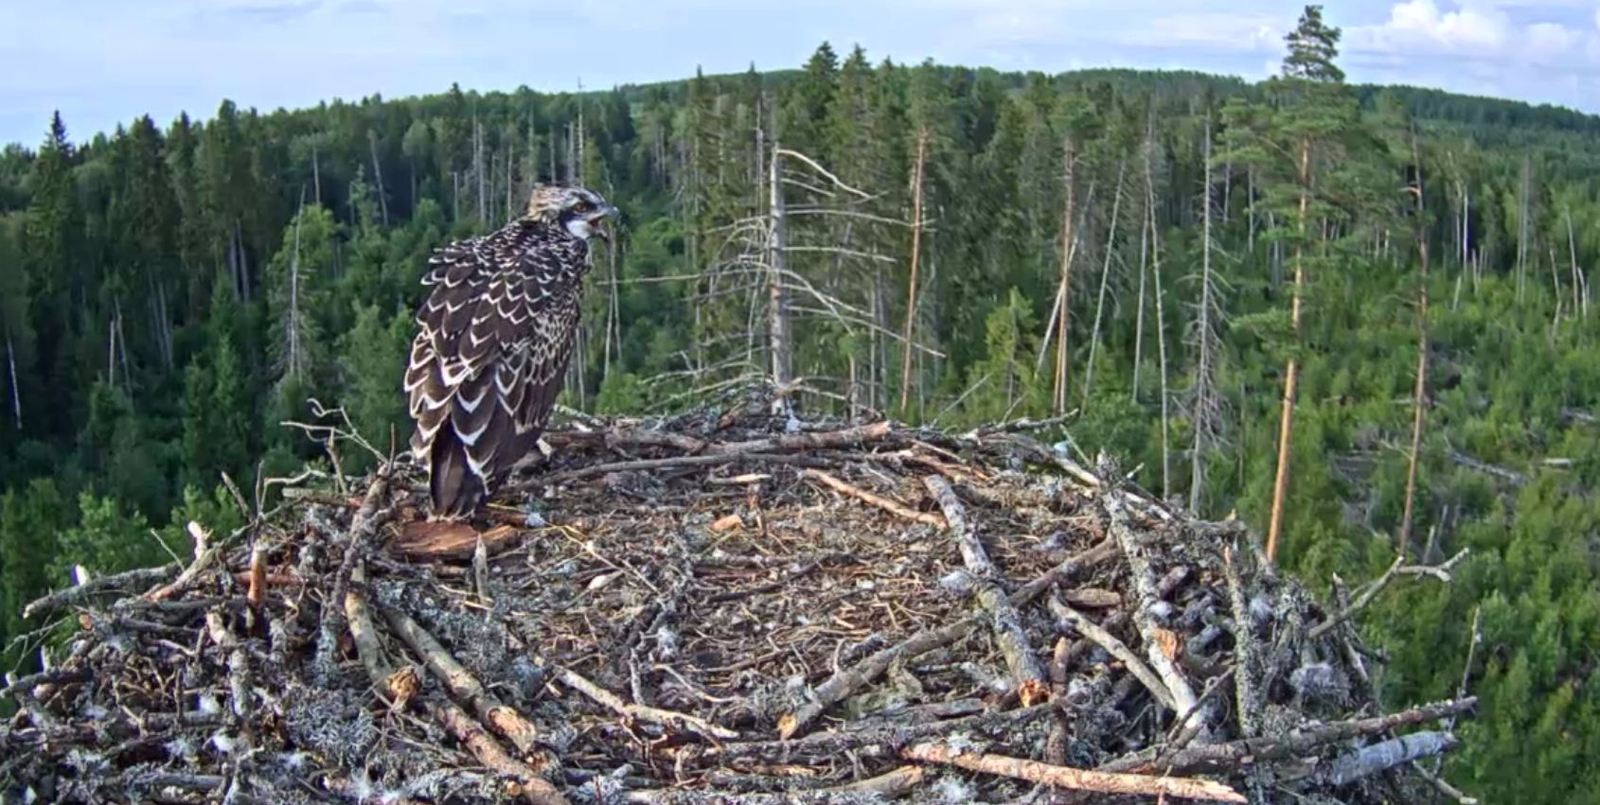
pixel 493 340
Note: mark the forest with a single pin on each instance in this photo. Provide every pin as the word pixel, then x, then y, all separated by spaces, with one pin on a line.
pixel 1355 317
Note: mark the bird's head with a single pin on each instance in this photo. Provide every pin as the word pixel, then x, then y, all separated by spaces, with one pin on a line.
pixel 580 211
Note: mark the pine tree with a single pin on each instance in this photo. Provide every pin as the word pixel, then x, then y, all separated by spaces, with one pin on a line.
pixel 30 520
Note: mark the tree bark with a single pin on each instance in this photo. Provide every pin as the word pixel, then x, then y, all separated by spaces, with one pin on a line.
pixel 1105 274
pixel 1291 372
pixel 777 294
pixel 1064 293
pixel 377 175
pixel 1419 393
pixel 916 260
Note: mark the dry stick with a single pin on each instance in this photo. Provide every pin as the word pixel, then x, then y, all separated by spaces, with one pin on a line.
pixel 1115 648
pixel 1027 675
pixel 72 596
pixel 880 738
pixel 1244 642
pixel 204 554
pixel 257 590
pixel 400 686
pixel 1379 757
pixel 1144 585
pixel 889 785
pixel 363 526
pixel 239 686
pixel 820 440
pixel 1067 777
pixel 54 676
pixel 881 502
pixel 1440 571
pixel 1230 756
pixel 396 687
pixel 663 463
pixel 653 715
pixel 847 681
pixel 483 746
pixel 463 685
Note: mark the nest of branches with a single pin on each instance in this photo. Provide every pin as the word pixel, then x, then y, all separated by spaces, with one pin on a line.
pixel 725 606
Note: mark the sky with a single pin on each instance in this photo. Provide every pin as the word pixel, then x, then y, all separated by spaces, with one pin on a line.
pixel 104 62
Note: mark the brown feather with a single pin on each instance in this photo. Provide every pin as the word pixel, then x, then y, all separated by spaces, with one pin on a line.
pixel 491 350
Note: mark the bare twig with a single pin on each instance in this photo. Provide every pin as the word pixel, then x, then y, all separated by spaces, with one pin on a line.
pixel 1067 777
pixel 881 502
pixel 463 685
pixel 1027 675
pixel 1115 648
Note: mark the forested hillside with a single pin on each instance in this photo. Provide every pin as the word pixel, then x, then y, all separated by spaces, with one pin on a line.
pixel 1169 255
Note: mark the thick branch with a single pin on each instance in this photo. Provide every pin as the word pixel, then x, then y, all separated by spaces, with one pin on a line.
pixel 1067 777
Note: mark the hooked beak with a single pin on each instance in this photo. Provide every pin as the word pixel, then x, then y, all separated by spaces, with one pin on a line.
pixel 597 221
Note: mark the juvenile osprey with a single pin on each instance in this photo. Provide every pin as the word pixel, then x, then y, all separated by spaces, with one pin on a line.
pixel 493 340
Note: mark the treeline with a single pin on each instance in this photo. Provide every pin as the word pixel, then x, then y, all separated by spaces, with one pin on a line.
pixel 940 244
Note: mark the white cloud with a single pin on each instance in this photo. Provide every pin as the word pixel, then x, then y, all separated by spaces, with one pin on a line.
pixel 1422 20
pixel 1221 31
pixel 1482 31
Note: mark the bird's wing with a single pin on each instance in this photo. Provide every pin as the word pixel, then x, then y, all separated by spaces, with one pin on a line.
pixel 487 362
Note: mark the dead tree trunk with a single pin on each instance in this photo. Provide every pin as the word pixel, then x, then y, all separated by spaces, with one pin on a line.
pixel 377 174
pixel 1138 318
pixel 916 259
pixel 1419 393
pixel 292 353
pixel 777 296
pixel 1105 274
pixel 1291 372
pixel 1578 307
pixel 1205 408
pixel 11 366
pixel 1161 333
pixel 1522 225
pixel 1064 292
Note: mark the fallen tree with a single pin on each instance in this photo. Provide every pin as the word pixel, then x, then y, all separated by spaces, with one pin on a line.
pixel 720 607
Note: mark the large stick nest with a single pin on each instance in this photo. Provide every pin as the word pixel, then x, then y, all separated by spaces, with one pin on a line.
pixel 721 607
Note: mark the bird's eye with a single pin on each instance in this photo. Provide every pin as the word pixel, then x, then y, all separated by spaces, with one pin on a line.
pixel 583 206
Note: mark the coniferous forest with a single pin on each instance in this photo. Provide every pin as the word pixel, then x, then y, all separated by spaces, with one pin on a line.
pixel 1165 257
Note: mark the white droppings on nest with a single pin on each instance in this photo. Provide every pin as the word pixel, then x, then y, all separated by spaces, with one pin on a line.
pixel 666 642
pixel 181 747
pixel 952 790
pixel 295 761
pixel 209 705
pixel 224 742
pixel 958 582
pixel 1161 610
pixel 361 788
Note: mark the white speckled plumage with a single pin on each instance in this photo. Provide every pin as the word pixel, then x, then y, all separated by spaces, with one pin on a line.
pixel 498 326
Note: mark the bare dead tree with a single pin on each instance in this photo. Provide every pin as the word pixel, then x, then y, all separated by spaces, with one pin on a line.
pixel 1069 248
pixel 1206 413
pixel 1419 393
pixel 11 366
pixel 377 174
pixel 781 347
pixel 1525 190
pixel 916 260
pixel 1579 306
pixel 1161 330
pixel 1144 265
pixel 1291 374
pixel 1105 274
pixel 293 366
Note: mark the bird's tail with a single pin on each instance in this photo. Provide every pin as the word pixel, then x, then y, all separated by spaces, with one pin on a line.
pixel 455 488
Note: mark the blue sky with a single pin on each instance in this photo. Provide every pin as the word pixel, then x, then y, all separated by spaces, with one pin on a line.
pixel 104 62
